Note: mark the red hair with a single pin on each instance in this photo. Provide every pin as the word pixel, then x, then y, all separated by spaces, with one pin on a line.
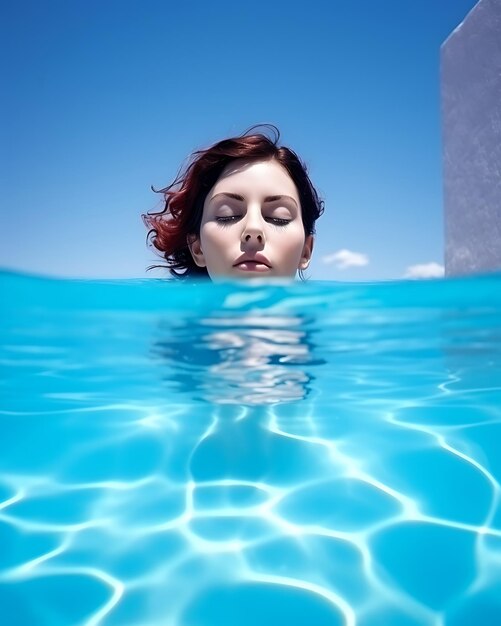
pixel 185 196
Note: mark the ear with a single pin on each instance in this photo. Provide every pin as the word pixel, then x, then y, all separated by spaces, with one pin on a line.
pixel 196 250
pixel 306 254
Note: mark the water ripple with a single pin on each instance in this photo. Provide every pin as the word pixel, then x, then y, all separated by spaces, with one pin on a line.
pixel 286 457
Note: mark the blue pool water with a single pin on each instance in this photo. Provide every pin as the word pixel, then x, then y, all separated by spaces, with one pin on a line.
pixel 232 455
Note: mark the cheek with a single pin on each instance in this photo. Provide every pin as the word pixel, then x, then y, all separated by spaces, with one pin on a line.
pixel 212 239
pixel 292 243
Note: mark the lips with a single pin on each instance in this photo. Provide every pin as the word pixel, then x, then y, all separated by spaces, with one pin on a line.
pixel 255 261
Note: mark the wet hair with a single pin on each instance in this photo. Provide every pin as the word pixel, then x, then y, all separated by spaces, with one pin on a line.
pixel 181 216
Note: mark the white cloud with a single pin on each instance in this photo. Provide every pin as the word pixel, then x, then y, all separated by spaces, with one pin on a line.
pixel 346 258
pixel 425 270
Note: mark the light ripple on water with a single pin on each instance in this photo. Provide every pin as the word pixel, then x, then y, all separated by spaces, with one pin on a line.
pixel 299 454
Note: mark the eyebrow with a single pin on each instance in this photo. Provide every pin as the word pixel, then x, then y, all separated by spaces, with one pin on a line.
pixel 236 196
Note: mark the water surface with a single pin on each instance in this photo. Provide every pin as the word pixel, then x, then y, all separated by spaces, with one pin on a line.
pixel 220 455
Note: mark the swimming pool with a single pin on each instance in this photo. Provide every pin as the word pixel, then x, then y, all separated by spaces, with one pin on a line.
pixel 200 455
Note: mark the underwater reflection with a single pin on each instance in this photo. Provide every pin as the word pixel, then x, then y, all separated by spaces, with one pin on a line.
pixel 239 359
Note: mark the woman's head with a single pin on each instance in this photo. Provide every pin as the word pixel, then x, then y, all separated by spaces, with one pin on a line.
pixel 242 208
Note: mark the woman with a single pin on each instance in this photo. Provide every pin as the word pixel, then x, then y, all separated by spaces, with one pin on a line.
pixel 243 208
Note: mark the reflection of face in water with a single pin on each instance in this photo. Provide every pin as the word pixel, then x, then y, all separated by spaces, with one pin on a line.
pixel 244 359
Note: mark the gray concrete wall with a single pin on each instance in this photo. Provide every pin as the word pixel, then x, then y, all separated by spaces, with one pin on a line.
pixel 471 123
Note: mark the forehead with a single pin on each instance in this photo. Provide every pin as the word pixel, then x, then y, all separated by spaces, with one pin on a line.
pixel 268 178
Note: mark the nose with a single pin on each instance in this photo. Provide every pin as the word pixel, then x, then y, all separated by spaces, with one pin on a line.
pixel 253 231
pixel 250 237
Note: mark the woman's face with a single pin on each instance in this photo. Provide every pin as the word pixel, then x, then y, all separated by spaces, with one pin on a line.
pixel 252 225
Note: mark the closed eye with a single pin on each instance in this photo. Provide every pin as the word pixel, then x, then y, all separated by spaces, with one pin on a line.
pixel 278 221
pixel 228 219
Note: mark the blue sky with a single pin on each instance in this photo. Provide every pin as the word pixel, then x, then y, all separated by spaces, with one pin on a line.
pixel 107 97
